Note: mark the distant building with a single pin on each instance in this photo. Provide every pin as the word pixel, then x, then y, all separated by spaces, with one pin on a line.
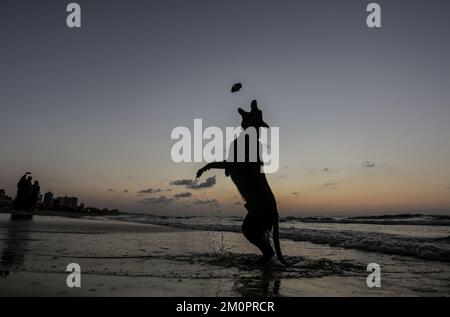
pixel 48 199
pixel 73 202
pixel 67 202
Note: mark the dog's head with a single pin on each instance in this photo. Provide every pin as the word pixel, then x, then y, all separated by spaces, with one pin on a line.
pixel 253 118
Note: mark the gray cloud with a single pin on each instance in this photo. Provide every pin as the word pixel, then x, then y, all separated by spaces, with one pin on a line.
pixel 161 200
pixel 153 190
pixel 183 195
pixel 326 169
pixel 205 202
pixel 210 182
pixel 333 185
pixel 181 182
pixel 189 183
pixel 368 164
pixel 149 191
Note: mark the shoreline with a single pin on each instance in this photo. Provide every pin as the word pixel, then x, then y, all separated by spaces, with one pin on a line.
pixel 371 219
pixel 133 259
pixel 61 213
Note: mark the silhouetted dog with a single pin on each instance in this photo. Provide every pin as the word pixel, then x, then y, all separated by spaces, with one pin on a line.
pixel 255 190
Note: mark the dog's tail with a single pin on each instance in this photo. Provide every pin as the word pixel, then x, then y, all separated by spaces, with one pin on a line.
pixel 276 241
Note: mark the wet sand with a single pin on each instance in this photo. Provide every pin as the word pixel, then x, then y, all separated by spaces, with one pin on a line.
pixel 127 259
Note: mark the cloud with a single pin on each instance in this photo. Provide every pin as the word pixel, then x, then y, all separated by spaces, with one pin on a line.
pixel 210 182
pixel 333 185
pixel 205 202
pixel 326 169
pixel 189 183
pixel 111 190
pixel 161 200
pixel 153 190
pixel 181 182
pixel 183 195
pixel 130 177
pixel 368 164
pixel 149 191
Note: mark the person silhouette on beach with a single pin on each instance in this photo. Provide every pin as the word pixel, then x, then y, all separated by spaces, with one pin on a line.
pixel 35 193
pixel 24 199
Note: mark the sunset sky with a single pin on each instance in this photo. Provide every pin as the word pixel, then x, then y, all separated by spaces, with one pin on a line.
pixel 364 114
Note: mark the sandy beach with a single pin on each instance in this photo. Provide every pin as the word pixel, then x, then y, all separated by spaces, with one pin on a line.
pixel 131 259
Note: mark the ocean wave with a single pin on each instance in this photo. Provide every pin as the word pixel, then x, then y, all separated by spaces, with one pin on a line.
pixel 399 219
pixel 436 249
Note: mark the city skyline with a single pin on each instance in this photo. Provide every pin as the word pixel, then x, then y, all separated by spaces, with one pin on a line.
pixel 363 113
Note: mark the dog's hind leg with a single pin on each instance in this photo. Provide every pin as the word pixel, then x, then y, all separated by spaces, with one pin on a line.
pixel 266 248
pixel 256 233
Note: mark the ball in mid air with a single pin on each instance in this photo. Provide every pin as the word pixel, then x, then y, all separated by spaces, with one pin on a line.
pixel 236 87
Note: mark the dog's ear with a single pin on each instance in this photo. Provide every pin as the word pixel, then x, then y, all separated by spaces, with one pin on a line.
pixel 254 105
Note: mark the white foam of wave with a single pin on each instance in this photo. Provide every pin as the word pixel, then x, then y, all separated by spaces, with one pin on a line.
pixel 437 249
pixel 400 219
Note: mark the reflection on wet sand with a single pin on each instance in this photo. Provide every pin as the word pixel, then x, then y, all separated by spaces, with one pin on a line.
pixel 267 284
pixel 128 259
pixel 15 244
